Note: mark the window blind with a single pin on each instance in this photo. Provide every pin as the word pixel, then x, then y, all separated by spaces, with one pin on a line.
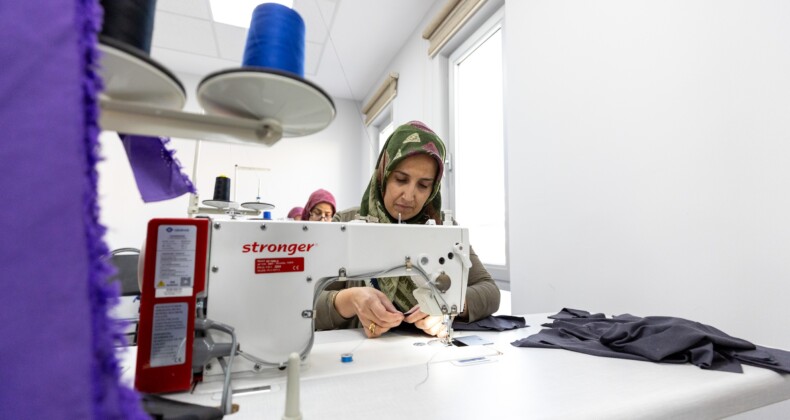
pixel 448 22
pixel 381 98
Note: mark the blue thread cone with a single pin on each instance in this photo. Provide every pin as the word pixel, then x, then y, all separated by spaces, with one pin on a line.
pixel 275 39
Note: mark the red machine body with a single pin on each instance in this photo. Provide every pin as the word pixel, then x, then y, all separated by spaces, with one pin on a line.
pixel 174 275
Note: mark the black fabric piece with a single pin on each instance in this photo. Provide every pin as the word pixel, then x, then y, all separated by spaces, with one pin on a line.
pixel 659 339
pixel 766 357
pixel 163 409
pixel 567 313
pixel 492 323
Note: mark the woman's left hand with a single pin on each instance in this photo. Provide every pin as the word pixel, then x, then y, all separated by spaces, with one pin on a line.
pixel 430 324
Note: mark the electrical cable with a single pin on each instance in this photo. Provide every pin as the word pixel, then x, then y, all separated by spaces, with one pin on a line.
pixel 430 361
pixel 207 324
pixel 255 359
pixel 227 403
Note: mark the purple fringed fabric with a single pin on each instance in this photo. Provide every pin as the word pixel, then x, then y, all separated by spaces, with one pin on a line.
pixel 156 170
pixel 45 336
pixel 111 399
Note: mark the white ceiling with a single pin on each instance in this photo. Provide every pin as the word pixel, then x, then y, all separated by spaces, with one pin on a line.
pixel 347 60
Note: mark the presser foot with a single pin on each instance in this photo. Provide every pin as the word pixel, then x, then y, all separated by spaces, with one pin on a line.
pixel 447 340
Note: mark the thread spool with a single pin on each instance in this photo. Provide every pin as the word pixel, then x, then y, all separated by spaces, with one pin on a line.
pixel 276 39
pixel 267 215
pixel 125 46
pixel 346 358
pixel 130 22
pixel 222 188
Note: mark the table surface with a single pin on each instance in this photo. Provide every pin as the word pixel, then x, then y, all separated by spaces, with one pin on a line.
pixel 403 376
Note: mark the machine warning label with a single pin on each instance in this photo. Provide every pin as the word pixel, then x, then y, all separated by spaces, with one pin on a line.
pixel 278 265
pixel 169 335
pixel 176 246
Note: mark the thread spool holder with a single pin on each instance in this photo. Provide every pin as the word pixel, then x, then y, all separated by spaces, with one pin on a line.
pixel 132 118
pixel 230 208
pixel 243 105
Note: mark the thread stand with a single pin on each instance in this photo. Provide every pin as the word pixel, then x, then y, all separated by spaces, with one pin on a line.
pixel 243 106
pixel 146 120
pixel 257 205
pixel 300 107
pixel 231 208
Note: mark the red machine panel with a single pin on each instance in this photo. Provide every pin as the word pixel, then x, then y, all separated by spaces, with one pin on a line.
pixel 174 274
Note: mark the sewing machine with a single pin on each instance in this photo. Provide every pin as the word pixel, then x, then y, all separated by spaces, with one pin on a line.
pixel 259 280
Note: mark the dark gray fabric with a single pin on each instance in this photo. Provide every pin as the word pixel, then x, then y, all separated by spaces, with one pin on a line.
pixel 160 408
pixel 655 338
pixel 567 313
pixel 126 274
pixel 492 323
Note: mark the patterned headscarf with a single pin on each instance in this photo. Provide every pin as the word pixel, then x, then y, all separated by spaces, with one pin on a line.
pixel 318 196
pixel 407 140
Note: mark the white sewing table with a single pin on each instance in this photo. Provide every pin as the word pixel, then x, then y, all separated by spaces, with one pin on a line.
pixel 392 378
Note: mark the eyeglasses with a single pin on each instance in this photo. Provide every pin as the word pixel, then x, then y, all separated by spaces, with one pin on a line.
pixel 317 214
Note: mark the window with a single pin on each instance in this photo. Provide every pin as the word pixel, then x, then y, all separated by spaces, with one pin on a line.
pixel 380 130
pixel 477 150
pixel 384 133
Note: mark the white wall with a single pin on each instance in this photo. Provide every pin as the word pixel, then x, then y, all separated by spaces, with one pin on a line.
pixel 648 148
pixel 651 143
pixel 421 85
pixel 332 159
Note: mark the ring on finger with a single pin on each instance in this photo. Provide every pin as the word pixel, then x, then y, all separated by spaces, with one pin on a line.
pixel 372 328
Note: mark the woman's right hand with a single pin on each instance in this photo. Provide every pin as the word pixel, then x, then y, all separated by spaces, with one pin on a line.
pixel 375 312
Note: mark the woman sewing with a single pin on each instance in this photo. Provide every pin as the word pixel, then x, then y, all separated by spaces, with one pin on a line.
pixel 404 188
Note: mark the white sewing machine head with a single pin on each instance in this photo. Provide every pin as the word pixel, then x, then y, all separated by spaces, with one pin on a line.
pixel 263 276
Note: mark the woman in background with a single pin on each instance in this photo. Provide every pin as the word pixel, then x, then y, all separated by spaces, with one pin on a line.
pixel 320 206
pixel 404 188
pixel 296 213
